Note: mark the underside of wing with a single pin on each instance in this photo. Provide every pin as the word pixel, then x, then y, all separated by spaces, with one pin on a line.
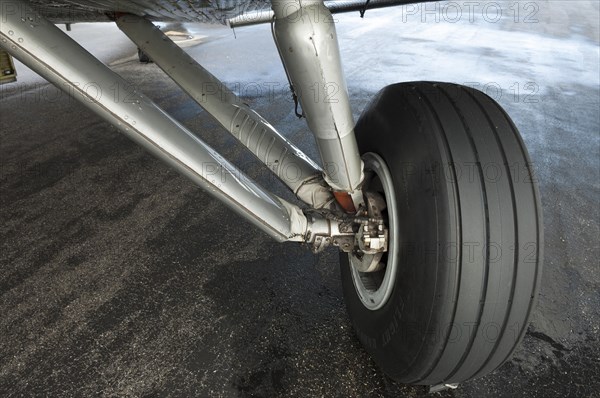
pixel 216 11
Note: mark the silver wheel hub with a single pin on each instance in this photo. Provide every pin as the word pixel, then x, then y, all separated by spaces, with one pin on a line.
pixel 374 274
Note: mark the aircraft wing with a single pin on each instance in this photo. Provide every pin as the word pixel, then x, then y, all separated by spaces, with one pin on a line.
pixel 215 11
pixel 158 10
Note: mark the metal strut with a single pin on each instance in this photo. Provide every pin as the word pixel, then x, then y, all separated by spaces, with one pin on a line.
pixel 306 38
pixel 287 162
pixel 55 56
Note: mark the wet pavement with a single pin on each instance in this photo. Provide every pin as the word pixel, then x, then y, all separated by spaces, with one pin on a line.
pixel 120 278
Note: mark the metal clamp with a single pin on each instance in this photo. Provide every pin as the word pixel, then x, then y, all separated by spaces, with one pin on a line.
pixel 323 232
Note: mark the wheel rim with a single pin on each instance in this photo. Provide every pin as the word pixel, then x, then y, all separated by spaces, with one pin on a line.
pixel 374 288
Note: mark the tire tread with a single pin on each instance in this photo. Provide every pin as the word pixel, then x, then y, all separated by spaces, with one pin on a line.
pixel 464 125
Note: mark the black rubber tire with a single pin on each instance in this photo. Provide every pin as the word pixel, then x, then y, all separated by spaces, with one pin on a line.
pixel 470 241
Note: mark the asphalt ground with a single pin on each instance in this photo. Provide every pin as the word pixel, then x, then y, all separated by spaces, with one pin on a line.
pixel 120 278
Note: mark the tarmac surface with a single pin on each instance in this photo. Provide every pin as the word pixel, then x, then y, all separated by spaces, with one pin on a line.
pixel 120 278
